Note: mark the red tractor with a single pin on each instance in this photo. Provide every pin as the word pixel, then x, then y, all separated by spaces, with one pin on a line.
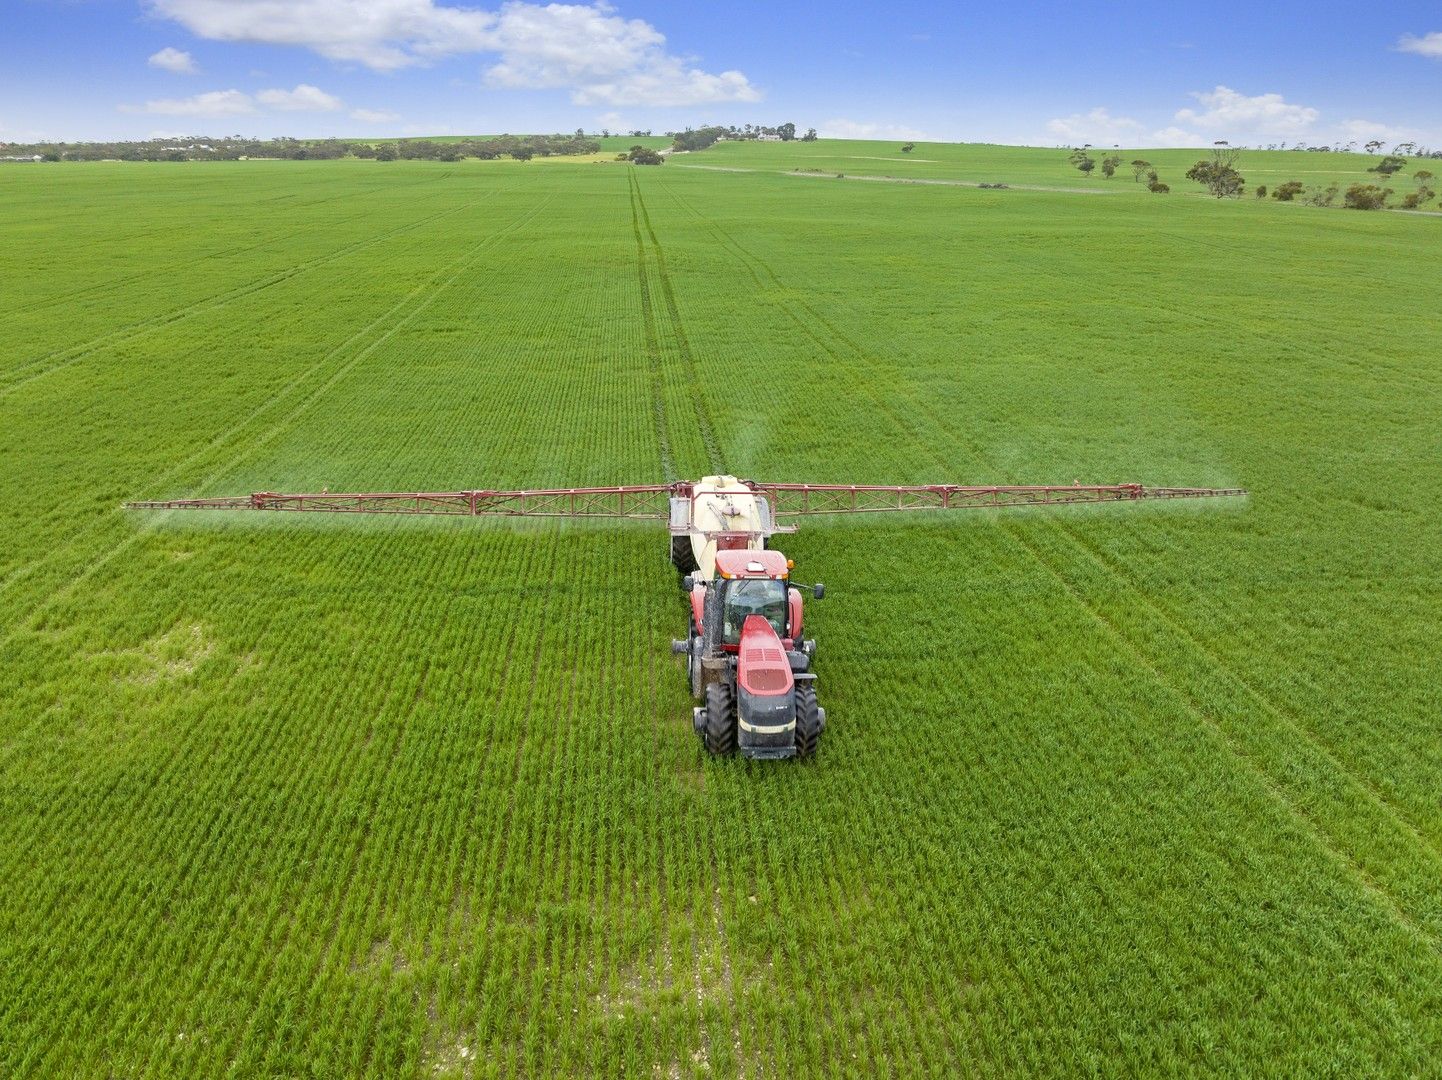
pixel 747 661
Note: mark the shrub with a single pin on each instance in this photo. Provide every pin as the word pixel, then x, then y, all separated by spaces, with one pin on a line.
pixel 1261 191
pixel 1323 196
pixel 1366 197
pixel 1158 188
pixel 1288 191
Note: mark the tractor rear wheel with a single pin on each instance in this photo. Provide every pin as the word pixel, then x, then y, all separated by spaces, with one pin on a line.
pixel 719 733
pixel 682 557
pixel 808 720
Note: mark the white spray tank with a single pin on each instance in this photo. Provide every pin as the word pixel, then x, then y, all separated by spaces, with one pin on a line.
pixel 721 512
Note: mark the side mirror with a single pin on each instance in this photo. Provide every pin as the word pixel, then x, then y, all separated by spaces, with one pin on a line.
pixel 688 583
pixel 818 590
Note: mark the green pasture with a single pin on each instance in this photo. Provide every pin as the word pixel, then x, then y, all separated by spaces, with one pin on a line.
pixel 987 163
pixel 1143 790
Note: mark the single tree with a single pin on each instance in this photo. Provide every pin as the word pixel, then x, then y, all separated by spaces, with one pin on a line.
pixel 810 135
pixel 908 148
pixel 1424 193
pixel 1109 165
pixel 1373 146
pixel 1218 174
pixel 1388 165
pixel 787 131
pixel 1139 169
pixel 644 155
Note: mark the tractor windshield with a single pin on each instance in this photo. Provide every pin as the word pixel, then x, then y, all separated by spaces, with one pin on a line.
pixel 754 596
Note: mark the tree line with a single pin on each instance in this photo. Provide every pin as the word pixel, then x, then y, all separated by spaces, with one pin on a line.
pixel 702 137
pixel 236 147
pixel 1220 175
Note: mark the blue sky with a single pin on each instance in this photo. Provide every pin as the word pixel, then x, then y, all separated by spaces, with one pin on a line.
pixel 1041 73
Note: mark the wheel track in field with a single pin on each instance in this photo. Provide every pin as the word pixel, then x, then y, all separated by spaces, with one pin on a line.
pixel 704 425
pixel 653 347
pixel 1390 812
pixel 429 290
pixel 101 288
pixel 65 358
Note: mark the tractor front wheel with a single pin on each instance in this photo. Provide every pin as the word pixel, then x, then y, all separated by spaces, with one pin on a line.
pixel 808 720
pixel 719 732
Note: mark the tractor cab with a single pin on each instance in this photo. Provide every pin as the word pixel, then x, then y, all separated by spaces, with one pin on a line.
pixel 749 583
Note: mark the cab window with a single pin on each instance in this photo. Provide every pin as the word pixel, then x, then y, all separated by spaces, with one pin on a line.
pixel 753 596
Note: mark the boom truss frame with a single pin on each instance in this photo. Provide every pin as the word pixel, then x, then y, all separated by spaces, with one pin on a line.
pixel 648 502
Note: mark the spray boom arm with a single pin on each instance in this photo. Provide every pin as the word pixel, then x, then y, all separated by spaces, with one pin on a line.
pixel 652 501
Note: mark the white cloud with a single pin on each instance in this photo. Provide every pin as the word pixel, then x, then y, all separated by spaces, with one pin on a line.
pixel 373 116
pixel 1238 114
pixel 1095 126
pixel 588 49
pixel 1175 136
pixel 1367 130
pixel 218 103
pixel 176 61
pixel 304 98
pixel 215 103
pixel 864 129
pixel 1429 45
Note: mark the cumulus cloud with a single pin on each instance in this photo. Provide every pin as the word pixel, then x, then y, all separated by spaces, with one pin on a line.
pixel 219 103
pixel 1265 114
pixel 373 116
pixel 588 49
pixel 1429 45
pixel 215 103
pixel 1095 126
pixel 304 98
pixel 176 61
pixel 866 129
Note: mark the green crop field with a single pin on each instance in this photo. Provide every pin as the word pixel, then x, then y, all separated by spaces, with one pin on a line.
pixel 1114 790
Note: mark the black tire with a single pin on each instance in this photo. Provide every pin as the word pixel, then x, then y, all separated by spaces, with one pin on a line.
pixel 682 557
pixel 719 734
pixel 808 720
